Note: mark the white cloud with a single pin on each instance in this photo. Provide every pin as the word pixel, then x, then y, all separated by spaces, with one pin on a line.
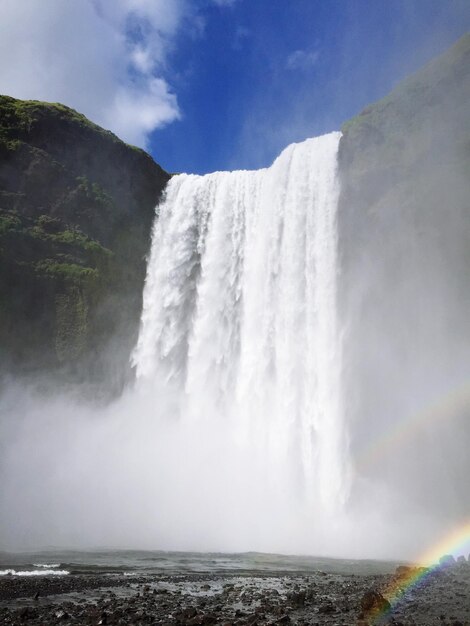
pixel 106 58
pixel 148 108
pixel 302 59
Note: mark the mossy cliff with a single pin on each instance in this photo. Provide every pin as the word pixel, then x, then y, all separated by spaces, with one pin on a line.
pixel 76 208
pixel 422 123
pixel 404 241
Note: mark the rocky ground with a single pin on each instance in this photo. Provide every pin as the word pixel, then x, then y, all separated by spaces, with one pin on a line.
pixel 243 600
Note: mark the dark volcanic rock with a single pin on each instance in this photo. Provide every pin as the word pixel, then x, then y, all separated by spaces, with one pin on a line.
pixel 373 605
pixel 447 560
pixel 76 208
pixel 327 608
pixel 105 599
pixel 297 598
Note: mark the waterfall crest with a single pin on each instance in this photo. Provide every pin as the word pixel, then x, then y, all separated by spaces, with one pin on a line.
pixel 239 318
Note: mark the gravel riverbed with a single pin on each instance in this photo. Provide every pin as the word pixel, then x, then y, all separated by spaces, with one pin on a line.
pixel 243 600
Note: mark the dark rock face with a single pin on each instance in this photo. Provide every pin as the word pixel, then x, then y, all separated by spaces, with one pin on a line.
pixel 404 232
pixel 373 604
pixel 76 208
pixel 447 560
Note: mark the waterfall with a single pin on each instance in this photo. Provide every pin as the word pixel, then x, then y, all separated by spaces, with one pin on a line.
pixel 239 319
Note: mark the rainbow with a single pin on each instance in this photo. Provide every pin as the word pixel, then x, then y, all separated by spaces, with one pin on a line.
pixel 455 542
pixel 451 406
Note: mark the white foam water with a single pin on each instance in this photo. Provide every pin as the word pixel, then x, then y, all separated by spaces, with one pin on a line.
pixel 36 572
pixel 240 323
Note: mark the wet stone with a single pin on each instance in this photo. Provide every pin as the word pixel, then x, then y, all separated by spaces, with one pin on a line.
pixel 249 600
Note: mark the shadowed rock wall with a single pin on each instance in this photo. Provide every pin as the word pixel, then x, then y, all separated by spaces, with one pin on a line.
pixel 76 208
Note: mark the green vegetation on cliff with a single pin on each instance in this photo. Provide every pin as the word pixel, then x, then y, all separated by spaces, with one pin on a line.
pixel 425 110
pixel 76 207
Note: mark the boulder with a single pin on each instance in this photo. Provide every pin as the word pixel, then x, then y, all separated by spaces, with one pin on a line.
pixel 448 560
pixel 373 604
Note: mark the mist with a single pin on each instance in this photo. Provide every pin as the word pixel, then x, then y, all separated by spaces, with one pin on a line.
pixel 131 476
pixel 403 238
pixel 344 432
pixel 142 472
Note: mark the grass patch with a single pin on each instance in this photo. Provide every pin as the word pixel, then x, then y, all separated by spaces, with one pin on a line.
pixel 70 272
pixel 17 118
pixel 8 222
pixel 49 229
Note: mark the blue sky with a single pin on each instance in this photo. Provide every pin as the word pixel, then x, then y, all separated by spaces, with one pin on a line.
pixel 219 84
pixel 269 72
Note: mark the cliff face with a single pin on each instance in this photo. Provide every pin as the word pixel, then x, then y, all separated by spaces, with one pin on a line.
pixel 404 240
pixel 76 208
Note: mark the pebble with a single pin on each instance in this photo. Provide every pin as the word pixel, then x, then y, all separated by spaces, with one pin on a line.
pixel 232 600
